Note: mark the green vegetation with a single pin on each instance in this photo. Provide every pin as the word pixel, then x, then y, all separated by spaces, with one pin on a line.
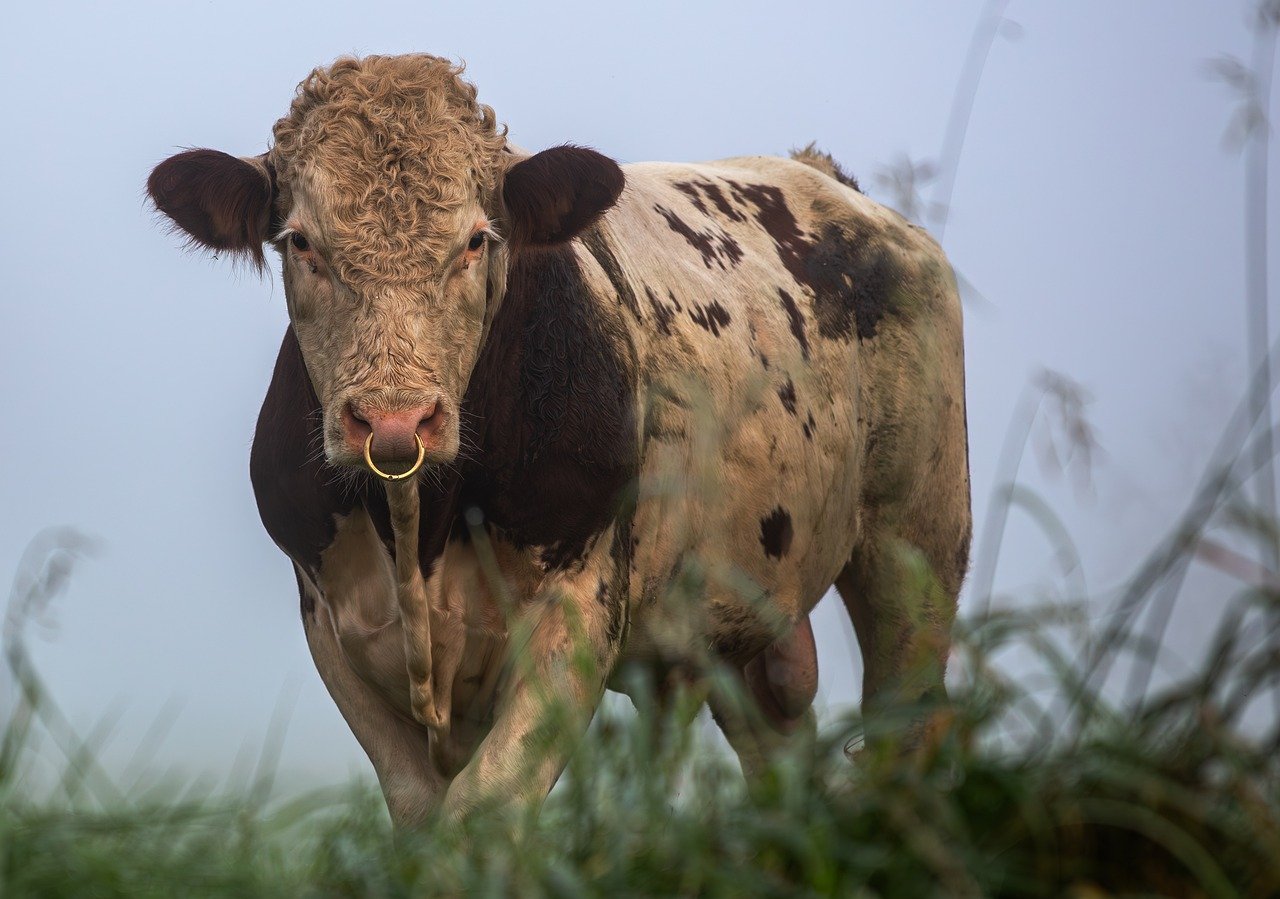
pixel 1039 786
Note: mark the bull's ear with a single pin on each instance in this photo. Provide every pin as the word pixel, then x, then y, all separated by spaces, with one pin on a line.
pixel 553 195
pixel 220 201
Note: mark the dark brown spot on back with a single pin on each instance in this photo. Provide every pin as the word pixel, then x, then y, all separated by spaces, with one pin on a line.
pixel 711 317
pixel 713 247
pixel 797 321
pixel 776 218
pixel 787 393
pixel 853 282
pixel 721 203
pixel 691 191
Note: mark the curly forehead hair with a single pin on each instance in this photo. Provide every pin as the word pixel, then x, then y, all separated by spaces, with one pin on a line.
pixel 401 144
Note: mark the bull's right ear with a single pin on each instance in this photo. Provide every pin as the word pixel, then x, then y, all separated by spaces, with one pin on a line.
pixel 220 201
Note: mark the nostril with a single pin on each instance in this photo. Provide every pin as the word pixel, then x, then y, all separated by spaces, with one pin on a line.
pixel 356 424
pixel 431 419
pixel 429 414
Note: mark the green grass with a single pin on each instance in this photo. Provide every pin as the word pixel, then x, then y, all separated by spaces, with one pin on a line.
pixel 1039 787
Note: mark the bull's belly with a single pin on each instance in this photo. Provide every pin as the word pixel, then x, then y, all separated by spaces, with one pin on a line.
pixel 739 534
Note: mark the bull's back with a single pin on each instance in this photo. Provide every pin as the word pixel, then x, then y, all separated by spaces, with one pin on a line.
pixel 800 358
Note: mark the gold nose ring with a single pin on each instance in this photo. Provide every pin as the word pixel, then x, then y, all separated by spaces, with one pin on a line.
pixel 368 460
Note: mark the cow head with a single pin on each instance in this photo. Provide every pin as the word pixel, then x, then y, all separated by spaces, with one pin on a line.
pixel 396 207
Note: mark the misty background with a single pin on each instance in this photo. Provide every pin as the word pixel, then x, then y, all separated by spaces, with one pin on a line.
pixel 1098 215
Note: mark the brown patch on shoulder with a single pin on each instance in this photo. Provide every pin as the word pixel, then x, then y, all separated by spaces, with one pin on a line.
pixel 776 533
pixel 297 499
pixel 552 406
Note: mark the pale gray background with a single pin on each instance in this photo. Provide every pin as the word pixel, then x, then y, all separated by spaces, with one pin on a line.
pixel 1096 209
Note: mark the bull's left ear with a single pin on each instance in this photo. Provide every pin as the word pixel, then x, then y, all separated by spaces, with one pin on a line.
pixel 553 195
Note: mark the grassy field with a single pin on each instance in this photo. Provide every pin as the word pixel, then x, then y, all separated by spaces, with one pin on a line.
pixel 1043 785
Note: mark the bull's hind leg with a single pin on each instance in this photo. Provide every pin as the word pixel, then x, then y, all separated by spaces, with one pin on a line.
pixel 772 710
pixel 902 604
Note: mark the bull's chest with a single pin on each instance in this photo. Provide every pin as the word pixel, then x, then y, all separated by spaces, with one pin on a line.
pixel 356 583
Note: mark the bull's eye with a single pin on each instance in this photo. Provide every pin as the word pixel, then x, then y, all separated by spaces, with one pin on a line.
pixel 477 241
pixel 299 242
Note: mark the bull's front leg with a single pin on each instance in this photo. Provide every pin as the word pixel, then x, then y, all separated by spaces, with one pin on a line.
pixel 565 644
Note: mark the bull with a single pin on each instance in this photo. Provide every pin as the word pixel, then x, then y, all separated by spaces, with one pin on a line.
pixel 535 408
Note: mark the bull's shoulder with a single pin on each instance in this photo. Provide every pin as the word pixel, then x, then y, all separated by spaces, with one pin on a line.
pixel 552 408
pixel 298 498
